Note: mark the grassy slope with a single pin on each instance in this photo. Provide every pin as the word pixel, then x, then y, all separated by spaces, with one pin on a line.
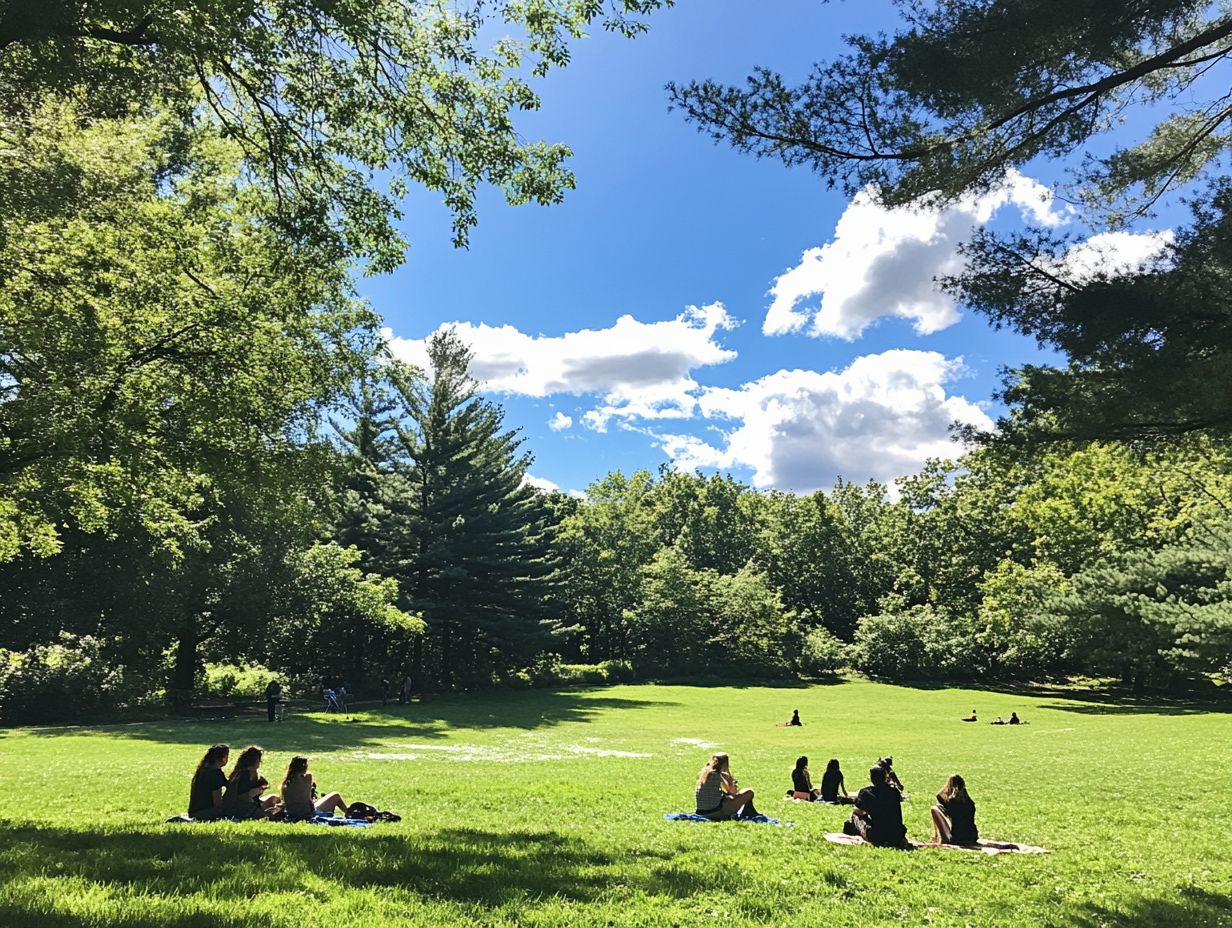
pixel 514 815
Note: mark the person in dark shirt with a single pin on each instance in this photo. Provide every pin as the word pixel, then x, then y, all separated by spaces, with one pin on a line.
pixel 273 699
pixel 245 785
pixel 954 814
pixel 795 718
pixel 208 783
pixel 971 718
pixel 832 787
pixel 887 763
pixel 878 815
pixel 802 783
pixel 1014 719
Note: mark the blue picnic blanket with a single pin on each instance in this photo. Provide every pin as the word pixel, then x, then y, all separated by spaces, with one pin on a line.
pixel 694 817
pixel 326 818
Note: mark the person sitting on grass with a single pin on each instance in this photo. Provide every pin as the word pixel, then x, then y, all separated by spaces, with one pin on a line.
pixel 832 787
pixel 998 721
pixel 299 793
pixel 243 799
pixel 718 796
pixel 971 717
pixel 208 783
pixel 793 722
pixel 878 815
pixel 887 763
pixel 1015 720
pixel 954 814
pixel 802 784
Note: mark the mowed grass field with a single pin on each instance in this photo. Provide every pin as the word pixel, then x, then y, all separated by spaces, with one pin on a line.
pixel 541 808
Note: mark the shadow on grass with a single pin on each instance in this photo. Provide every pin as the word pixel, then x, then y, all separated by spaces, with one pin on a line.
pixel 199 868
pixel 1190 908
pixel 427 720
pixel 1084 701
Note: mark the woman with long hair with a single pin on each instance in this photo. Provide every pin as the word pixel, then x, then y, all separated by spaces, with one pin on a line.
pixel 208 783
pixel 299 793
pixel 833 789
pixel 802 783
pixel 954 814
pixel 718 796
pixel 245 785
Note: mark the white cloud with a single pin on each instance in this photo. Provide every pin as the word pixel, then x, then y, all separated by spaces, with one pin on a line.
pixel 641 369
pixel 1114 253
pixel 560 422
pixel 880 418
pixel 540 483
pixel 883 261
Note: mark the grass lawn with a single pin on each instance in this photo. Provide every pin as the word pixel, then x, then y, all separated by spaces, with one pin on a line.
pixel 543 808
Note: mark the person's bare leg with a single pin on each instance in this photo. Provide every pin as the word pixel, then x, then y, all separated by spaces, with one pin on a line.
pixel 941 826
pixel 330 803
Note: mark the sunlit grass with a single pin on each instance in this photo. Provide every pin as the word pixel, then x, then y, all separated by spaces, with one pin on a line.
pixel 546 809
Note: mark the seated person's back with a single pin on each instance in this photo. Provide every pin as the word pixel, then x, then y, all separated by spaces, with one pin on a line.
pixel 832 783
pixel 959 808
pixel 882 805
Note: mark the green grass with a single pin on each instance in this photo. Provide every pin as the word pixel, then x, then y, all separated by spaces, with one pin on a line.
pixel 538 809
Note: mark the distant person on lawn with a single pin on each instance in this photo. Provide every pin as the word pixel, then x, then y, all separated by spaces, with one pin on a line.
pixel 273 699
pixel 793 722
pixel 802 784
pixel 971 717
pixel 299 793
pixel 832 787
pixel 718 796
pixel 208 783
pixel 1015 720
pixel 243 799
pixel 404 691
pixel 878 815
pixel 954 814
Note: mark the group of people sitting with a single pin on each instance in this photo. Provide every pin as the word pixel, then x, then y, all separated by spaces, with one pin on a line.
pixel 1012 720
pixel 876 816
pixel 243 793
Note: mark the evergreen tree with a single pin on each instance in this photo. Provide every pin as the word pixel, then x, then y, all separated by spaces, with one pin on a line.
pixel 483 557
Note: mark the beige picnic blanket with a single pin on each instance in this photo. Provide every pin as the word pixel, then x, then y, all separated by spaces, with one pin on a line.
pixel 984 847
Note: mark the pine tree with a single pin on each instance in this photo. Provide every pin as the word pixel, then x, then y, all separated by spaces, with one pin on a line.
pixel 483 557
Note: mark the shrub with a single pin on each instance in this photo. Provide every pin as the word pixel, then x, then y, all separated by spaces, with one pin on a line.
pixel 920 643
pixel 822 655
pixel 235 681
pixel 582 673
pixel 69 680
pixel 619 671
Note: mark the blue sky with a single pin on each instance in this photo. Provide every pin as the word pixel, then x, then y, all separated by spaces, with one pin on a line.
pixel 664 220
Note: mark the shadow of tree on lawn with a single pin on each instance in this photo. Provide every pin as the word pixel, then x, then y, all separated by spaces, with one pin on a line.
pixel 207 866
pixel 1191 907
pixel 425 720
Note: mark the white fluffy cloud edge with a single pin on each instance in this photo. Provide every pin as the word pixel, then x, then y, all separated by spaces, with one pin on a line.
pixel 885 261
pixel 880 417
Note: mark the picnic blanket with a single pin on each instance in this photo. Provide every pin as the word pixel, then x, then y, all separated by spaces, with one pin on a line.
pixel 321 818
pixel 694 817
pixel 983 847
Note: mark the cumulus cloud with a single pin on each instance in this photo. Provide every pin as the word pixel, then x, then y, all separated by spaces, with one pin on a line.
pixel 641 369
pixel 1113 254
pixel 883 261
pixel 881 417
pixel 539 483
pixel 560 422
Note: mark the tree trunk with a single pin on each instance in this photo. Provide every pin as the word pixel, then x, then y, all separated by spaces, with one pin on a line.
pixel 184 671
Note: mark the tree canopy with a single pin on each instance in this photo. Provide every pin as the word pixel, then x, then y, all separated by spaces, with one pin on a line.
pixel 337 106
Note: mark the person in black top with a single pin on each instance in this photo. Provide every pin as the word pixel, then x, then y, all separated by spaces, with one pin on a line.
pixel 1014 719
pixel 878 815
pixel 887 763
pixel 243 798
pixel 205 794
pixel 273 696
pixel 795 717
pixel 954 814
pixel 832 787
pixel 802 783
pixel 971 717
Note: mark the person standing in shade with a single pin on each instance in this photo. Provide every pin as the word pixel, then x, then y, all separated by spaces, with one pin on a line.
pixel 878 815
pixel 273 699
pixel 954 814
pixel 404 691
